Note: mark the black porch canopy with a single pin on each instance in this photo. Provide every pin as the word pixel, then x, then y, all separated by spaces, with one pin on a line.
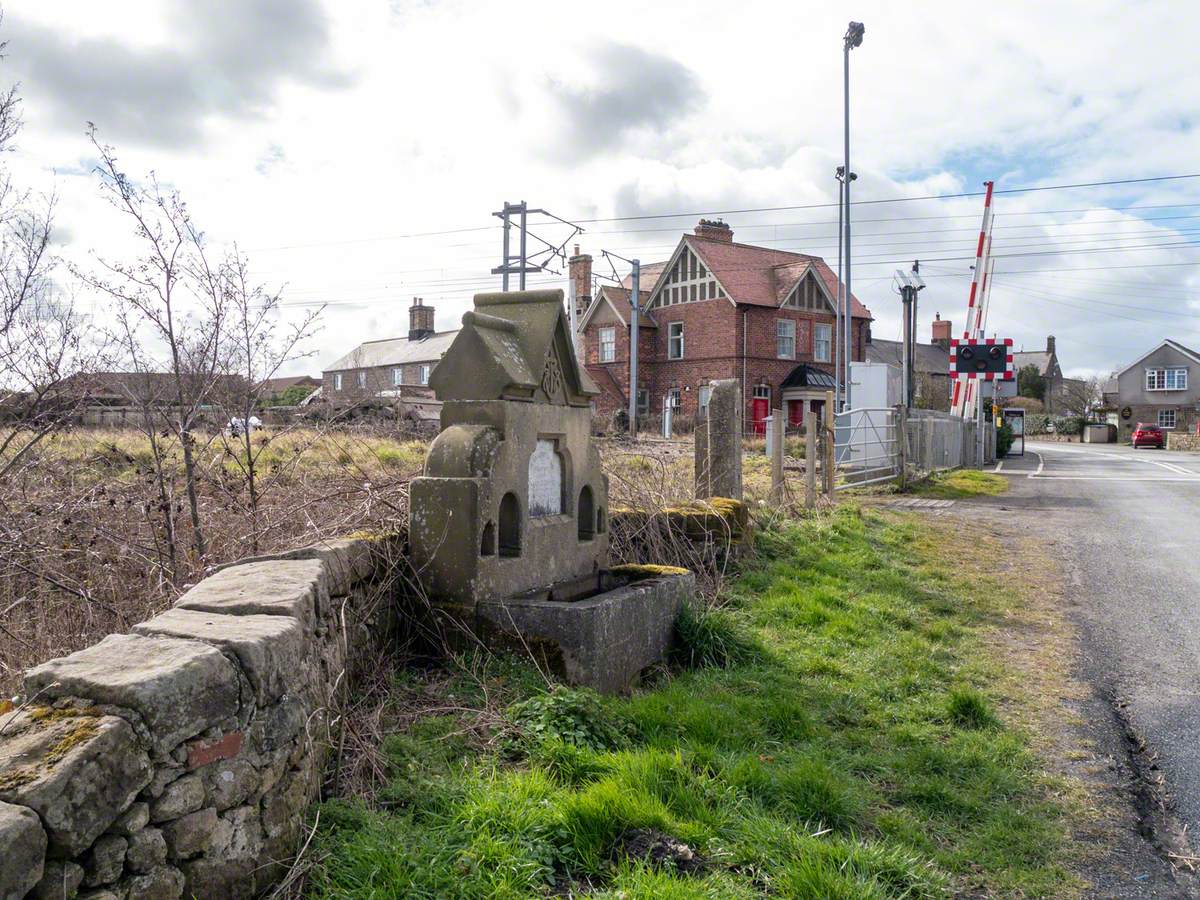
pixel 806 376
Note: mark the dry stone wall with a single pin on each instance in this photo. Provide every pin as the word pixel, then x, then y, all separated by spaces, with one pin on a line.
pixel 1177 440
pixel 177 760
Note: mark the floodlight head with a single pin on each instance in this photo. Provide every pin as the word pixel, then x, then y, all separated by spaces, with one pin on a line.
pixel 904 279
pixel 854 34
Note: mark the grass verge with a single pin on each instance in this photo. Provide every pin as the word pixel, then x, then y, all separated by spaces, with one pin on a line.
pixel 832 732
pixel 961 484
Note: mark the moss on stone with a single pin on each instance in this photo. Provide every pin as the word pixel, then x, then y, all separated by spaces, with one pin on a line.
pixel 47 715
pixel 18 777
pixel 642 571
pixel 374 536
pixel 77 734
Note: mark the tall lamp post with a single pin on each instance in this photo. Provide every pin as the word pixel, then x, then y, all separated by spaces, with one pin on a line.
pixel 853 38
pixel 841 368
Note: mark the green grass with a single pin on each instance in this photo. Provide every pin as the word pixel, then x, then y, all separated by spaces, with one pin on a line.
pixel 961 484
pixel 834 737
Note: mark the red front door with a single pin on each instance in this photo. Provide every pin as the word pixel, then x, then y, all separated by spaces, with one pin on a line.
pixel 758 414
pixel 795 413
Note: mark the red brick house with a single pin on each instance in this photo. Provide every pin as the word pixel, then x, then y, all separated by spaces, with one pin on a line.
pixel 718 309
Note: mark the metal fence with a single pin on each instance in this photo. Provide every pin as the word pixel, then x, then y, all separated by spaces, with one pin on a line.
pixel 878 444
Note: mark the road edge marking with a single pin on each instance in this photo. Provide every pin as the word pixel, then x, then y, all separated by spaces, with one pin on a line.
pixel 1041 464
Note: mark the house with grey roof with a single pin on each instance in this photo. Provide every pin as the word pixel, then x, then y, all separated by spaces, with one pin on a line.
pixel 1046 363
pixel 393 368
pixel 1161 387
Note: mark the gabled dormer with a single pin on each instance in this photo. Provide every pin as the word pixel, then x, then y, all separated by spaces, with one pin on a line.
pixel 809 295
pixel 685 279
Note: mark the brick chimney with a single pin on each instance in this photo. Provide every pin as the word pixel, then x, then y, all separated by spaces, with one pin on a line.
pixel 1050 344
pixel 581 276
pixel 420 320
pixel 714 230
pixel 941 331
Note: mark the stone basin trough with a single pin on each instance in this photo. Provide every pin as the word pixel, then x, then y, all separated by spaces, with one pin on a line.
pixel 509 522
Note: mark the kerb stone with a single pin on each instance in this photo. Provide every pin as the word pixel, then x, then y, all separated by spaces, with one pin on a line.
pixel 178 687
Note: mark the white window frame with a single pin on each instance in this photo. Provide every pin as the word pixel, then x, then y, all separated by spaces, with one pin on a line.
pixel 675 338
pixel 337 381
pixel 762 392
pixel 362 379
pixel 818 342
pixel 397 377
pixel 675 398
pixel 1174 416
pixel 607 337
pixel 423 373
pixel 785 338
pixel 1167 378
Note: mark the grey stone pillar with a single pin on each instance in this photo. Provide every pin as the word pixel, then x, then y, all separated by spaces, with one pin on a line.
pixel 719 443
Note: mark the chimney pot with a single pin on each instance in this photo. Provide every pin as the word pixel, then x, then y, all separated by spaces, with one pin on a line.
pixel 714 230
pixel 420 320
pixel 941 331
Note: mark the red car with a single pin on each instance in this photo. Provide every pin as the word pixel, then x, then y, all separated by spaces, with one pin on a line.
pixel 1147 436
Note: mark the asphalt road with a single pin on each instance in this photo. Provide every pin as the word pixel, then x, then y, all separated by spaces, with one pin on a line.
pixel 1125 524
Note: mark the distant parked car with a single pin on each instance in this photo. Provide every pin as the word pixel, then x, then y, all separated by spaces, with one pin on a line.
pixel 1145 435
pixel 238 427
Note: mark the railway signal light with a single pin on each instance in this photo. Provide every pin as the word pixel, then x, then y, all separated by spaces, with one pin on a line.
pixel 988 359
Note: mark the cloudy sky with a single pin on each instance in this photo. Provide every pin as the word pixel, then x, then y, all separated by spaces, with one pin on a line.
pixel 355 150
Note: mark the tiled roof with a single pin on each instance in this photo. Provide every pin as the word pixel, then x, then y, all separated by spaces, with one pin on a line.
pixel 619 298
pixel 1038 358
pixel 395 352
pixel 760 276
pixel 646 277
pixel 279 385
pixel 931 358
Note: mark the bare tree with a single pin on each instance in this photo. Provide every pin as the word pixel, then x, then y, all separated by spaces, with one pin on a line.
pixel 42 345
pixel 1081 395
pixel 258 344
pixel 169 299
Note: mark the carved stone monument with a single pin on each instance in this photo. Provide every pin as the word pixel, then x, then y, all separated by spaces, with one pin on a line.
pixel 509 523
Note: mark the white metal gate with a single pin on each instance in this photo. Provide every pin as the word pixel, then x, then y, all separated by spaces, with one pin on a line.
pixel 866 445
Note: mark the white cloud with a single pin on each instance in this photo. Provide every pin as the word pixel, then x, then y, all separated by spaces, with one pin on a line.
pixel 319 129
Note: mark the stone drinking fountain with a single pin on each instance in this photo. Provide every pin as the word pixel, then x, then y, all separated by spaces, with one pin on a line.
pixel 509 523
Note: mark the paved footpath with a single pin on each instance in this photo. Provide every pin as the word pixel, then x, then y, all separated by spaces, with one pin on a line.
pixel 1125 523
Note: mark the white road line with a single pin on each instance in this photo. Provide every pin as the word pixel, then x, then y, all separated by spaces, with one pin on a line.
pixel 999 463
pixel 1121 457
pixel 1041 464
pixel 1161 478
